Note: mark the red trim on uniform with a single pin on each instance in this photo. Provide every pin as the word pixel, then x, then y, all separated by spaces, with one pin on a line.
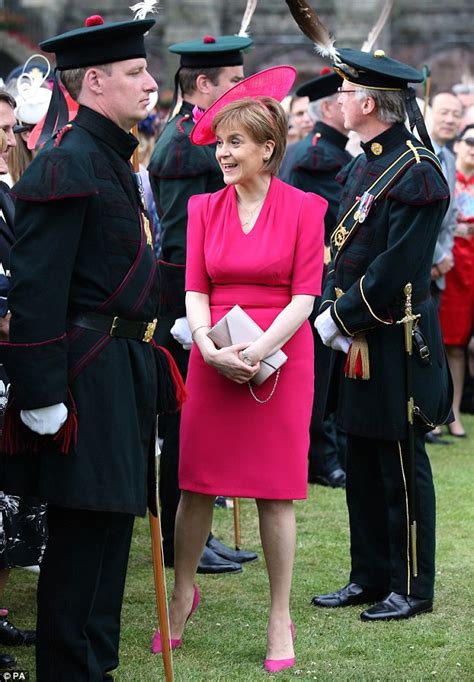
pixel 32 345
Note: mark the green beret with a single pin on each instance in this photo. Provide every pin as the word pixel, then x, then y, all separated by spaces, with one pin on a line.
pixel 209 51
pixel 99 43
pixel 375 70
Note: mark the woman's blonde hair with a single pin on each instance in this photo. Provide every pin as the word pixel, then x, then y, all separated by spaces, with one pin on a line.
pixel 19 158
pixel 263 118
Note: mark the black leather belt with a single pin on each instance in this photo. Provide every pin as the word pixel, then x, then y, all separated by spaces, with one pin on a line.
pixel 116 326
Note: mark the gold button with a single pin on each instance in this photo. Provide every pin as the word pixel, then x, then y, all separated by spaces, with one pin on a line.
pixel 379 53
pixel 376 148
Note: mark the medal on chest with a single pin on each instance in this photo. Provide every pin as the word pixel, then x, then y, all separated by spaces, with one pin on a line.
pixel 142 209
pixel 365 204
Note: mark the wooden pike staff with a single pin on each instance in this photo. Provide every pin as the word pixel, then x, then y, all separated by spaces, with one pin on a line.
pixel 408 324
pixel 427 78
pixel 237 523
pixel 155 524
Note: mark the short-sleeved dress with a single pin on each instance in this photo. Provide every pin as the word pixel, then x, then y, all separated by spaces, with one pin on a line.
pixel 229 443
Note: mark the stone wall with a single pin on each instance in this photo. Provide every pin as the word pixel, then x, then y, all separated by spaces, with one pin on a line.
pixel 433 32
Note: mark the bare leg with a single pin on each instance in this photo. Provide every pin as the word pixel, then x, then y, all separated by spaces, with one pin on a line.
pixel 278 534
pixel 4 575
pixel 457 365
pixel 193 524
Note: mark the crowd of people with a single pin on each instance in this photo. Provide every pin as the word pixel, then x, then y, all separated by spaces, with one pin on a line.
pixel 316 299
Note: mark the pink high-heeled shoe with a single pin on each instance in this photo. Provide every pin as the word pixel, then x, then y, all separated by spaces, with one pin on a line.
pixel 156 645
pixel 273 665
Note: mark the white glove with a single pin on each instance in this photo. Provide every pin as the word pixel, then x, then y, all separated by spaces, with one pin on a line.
pixel 341 342
pixel 326 327
pixel 181 332
pixel 330 334
pixel 45 420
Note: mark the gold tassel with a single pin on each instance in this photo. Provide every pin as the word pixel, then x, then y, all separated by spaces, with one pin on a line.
pixel 357 364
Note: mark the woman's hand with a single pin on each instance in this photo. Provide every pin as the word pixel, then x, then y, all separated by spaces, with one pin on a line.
pixel 227 361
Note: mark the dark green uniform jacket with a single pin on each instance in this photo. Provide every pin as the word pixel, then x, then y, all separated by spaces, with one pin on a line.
pixel 82 247
pixel 320 157
pixel 392 246
pixel 178 169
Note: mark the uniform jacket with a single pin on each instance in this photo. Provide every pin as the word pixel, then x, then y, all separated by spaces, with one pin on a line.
pixel 81 247
pixel 393 246
pixel 178 169
pixel 320 157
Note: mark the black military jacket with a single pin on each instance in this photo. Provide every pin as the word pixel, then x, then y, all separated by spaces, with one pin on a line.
pixel 320 157
pixel 81 246
pixel 393 246
pixel 178 169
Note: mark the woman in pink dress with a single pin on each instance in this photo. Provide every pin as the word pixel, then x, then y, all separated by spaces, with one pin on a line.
pixel 257 243
pixel 457 303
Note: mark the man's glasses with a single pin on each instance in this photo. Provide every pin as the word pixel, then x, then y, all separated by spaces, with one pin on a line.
pixel 343 92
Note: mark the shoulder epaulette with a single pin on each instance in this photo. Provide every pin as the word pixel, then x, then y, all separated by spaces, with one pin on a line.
pixel 61 133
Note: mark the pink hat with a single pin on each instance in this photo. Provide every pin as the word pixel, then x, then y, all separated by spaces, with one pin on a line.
pixel 274 82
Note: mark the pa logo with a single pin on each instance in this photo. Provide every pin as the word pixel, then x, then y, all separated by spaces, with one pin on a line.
pixel 15 675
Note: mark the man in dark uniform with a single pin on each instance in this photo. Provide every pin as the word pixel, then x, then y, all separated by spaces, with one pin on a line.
pixel 317 161
pixel 179 169
pixel 84 300
pixel 7 141
pixel 393 201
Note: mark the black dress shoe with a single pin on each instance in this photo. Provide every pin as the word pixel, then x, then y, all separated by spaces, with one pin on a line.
pixel 397 606
pixel 239 556
pixel 210 562
pixel 337 478
pixel 349 595
pixel 7 661
pixel 12 636
pixel 433 439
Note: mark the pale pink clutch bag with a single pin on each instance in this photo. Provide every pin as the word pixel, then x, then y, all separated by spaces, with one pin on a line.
pixel 238 327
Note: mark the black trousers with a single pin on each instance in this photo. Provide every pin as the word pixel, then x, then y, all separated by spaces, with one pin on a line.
pixel 80 593
pixel 376 491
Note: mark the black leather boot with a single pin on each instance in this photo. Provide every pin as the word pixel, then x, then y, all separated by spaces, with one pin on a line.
pixel 12 636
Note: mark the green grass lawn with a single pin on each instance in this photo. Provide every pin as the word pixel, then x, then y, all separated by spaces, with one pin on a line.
pixel 225 640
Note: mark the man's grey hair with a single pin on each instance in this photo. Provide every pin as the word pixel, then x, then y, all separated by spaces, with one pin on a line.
pixel 314 109
pixel 390 104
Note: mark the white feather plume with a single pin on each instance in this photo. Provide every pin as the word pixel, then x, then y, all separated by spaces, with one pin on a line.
pixel 141 9
pixel 377 29
pixel 247 18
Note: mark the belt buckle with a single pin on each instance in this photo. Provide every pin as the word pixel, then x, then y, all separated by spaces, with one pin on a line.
pixel 113 326
pixel 149 331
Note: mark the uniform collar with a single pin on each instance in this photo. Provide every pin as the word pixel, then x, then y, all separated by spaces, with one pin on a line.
pixel 330 134
pixel 386 142
pixel 107 131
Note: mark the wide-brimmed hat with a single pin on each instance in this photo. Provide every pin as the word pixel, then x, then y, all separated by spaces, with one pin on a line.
pixel 274 82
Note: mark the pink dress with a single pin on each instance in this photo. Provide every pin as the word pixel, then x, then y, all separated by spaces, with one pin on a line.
pixel 230 444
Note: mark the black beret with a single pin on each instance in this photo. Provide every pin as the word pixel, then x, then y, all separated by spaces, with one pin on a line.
pixel 375 70
pixel 99 43
pixel 324 85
